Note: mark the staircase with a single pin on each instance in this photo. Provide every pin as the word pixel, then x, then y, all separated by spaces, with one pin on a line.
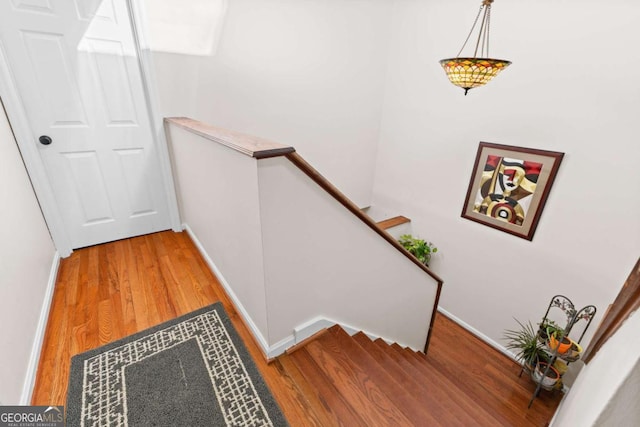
pixel 354 381
pixel 278 200
pixel 348 380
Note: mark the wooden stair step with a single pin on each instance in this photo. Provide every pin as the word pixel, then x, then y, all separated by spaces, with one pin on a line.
pixel 391 386
pixel 339 409
pixel 415 355
pixel 380 353
pixel 416 388
pixel 399 359
pixel 393 222
pixel 411 357
pixel 306 341
pixel 355 384
pixel 484 392
pixel 430 387
pixel 317 413
pixel 447 394
pixel 420 355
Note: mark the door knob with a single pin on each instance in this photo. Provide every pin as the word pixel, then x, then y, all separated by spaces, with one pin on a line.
pixel 45 140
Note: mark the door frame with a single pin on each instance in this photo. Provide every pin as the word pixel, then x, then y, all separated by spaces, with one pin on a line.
pixel 25 137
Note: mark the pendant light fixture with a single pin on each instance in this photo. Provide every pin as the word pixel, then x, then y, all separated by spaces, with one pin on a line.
pixel 470 72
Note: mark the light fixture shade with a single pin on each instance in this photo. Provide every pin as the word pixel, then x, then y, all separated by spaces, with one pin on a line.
pixel 468 73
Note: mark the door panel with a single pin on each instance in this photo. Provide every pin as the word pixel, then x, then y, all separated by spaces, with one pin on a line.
pixel 76 68
pixel 132 165
pixel 91 9
pixel 89 186
pixel 56 84
pixel 111 75
pixel 33 5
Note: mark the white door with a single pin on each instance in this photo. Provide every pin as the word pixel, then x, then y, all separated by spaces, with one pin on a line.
pixel 76 68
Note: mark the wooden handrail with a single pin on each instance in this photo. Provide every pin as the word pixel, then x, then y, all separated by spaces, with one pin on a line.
pixel 252 146
pixel 625 304
pixel 260 148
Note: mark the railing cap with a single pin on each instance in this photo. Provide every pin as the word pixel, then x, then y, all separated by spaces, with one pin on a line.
pixel 252 146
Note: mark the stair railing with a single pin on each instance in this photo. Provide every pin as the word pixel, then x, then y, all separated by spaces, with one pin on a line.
pixel 259 148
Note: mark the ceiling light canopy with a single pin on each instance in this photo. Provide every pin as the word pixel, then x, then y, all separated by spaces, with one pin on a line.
pixel 470 72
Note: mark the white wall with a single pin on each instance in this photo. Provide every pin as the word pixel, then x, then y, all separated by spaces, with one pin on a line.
pixel 305 73
pixel 622 408
pixel 27 252
pixel 176 76
pixel 553 97
pixel 217 194
pixel 606 391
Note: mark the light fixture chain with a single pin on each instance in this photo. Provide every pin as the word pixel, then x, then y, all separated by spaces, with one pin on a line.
pixel 485 40
pixel 481 32
pixel 471 32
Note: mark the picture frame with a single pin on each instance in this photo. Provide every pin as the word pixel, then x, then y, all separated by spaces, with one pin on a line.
pixel 509 187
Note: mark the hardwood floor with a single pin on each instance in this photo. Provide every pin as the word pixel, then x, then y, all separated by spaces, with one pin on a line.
pixel 109 291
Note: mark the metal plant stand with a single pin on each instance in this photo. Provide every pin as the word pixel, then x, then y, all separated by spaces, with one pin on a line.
pixel 573 316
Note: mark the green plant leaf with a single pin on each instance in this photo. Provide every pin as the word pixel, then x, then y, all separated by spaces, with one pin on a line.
pixel 419 248
pixel 524 342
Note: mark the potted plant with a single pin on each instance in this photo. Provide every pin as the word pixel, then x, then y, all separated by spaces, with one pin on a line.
pixel 554 333
pixel 552 328
pixel 545 325
pixel 550 332
pixel 419 248
pixel 531 353
pixel 545 374
pixel 563 345
pixel 574 352
pixel 525 345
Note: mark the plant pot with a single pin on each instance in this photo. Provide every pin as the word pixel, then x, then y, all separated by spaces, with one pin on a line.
pixel 561 366
pixel 574 352
pixel 562 347
pixel 550 379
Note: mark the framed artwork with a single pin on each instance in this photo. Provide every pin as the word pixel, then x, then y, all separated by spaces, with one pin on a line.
pixel 509 187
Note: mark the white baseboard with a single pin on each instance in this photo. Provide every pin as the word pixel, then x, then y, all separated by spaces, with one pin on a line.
pixel 262 342
pixel 310 327
pixel 479 334
pixel 38 340
pixel 280 347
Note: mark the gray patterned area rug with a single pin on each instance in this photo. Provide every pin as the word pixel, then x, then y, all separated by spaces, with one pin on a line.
pixel 191 371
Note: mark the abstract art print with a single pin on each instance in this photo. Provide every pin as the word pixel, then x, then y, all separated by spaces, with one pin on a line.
pixel 509 187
